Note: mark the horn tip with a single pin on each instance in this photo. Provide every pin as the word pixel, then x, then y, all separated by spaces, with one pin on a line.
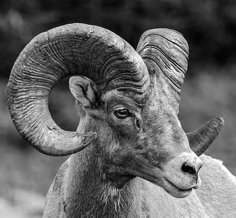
pixel 217 123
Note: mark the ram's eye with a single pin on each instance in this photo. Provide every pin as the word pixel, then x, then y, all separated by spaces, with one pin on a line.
pixel 122 113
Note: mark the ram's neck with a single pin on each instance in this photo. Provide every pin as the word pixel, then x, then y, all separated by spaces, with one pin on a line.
pixel 89 195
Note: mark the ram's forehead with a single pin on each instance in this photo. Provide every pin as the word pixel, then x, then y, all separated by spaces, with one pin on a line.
pixel 127 97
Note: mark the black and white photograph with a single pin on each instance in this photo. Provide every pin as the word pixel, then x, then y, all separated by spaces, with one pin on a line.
pixel 118 109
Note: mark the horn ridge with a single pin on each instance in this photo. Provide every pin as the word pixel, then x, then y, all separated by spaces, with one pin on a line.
pixel 175 64
pixel 184 47
pixel 165 52
pixel 65 51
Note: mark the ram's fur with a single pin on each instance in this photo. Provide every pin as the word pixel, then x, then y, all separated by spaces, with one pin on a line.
pixel 215 199
pixel 130 155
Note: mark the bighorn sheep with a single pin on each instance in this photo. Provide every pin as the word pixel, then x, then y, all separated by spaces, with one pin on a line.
pixel 129 149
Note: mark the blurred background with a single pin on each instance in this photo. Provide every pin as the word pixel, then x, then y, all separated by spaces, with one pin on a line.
pixel 209 90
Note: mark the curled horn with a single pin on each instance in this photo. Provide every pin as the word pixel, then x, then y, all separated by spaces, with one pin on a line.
pixel 74 49
pixel 165 52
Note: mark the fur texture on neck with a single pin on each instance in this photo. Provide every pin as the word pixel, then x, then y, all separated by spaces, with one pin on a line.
pixel 90 194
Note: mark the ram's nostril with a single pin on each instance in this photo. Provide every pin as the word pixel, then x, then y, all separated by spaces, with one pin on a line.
pixel 188 168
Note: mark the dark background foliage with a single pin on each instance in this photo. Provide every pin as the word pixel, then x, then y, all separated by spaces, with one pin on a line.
pixel 208 25
pixel 209 90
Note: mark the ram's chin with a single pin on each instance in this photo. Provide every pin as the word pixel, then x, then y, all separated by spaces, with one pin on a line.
pixel 174 190
pixel 159 178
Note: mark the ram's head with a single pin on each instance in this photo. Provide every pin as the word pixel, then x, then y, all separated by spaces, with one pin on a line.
pixel 128 103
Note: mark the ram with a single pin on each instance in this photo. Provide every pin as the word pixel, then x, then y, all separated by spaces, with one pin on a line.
pixel 129 155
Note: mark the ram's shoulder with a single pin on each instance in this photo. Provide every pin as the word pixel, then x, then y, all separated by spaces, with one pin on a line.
pixel 218 190
pixel 54 206
pixel 215 174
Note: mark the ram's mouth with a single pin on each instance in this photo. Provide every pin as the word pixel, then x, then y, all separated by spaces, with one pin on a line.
pixel 161 179
pixel 170 187
pixel 175 190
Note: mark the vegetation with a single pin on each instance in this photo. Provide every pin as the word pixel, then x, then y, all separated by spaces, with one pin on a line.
pixel 208 25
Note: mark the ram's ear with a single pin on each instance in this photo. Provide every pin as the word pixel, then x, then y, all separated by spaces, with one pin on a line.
pixel 84 90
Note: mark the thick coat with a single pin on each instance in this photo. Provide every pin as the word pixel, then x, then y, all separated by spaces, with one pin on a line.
pixel 129 145
pixel 216 198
